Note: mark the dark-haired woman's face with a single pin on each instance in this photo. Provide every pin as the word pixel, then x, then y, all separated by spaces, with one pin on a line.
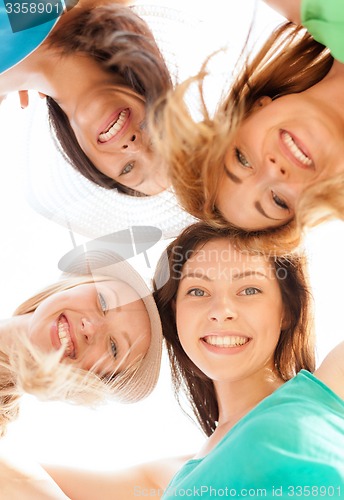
pixel 108 120
pixel 229 311
pixel 281 148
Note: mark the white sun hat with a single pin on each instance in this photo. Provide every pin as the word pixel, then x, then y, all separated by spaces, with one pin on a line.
pixel 57 191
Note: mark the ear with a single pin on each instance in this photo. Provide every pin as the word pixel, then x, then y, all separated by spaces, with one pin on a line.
pixel 284 322
pixel 262 102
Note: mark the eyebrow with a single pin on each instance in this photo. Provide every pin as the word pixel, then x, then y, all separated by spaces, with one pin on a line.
pixel 196 275
pixel 235 277
pixel 127 338
pixel 231 176
pixel 248 273
pixel 260 209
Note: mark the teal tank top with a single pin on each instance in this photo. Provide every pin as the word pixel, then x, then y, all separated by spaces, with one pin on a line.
pixel 290 445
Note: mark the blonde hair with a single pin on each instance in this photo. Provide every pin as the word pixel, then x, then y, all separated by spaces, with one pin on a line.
pixel 290 61
pixel 26 369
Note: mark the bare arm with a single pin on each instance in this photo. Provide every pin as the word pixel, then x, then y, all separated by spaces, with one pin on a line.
pixel 145 480
pixel 27 481
pixel 331 370
pixel 290 9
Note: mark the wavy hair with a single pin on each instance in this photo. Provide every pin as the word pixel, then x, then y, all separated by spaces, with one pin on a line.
pixel 295 348
pixel 121 42
pixel 26 369
pixel 290 61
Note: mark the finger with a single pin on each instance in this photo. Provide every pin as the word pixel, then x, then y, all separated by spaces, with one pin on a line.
pixel 24 98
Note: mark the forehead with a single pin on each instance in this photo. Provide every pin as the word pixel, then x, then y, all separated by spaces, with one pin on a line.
pixel 219 259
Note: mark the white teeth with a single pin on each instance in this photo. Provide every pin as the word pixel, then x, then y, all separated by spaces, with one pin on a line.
pixel 228 341
pixel 295 150
pixel 114 128
pixel 64 336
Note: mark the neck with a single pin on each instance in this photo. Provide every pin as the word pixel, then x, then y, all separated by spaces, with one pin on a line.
pixel 236 399
pixel 330 88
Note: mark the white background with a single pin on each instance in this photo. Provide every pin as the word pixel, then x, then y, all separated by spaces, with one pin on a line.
pixel 115 436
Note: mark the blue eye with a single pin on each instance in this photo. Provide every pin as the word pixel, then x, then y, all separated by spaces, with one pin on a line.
pixel 241 158
pixel 251 290
pixel 196 292
pixel 113 348
pixel 102 302
pixel 280 203
pixel 128 168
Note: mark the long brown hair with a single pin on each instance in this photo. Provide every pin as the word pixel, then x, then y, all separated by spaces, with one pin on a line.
pixel 290 61
pixel 121 42
pixel 295 349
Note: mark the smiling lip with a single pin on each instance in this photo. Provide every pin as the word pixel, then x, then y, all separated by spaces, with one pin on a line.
pixel 225 342
pixel 114 127
pixel 62 335
pixel 295 151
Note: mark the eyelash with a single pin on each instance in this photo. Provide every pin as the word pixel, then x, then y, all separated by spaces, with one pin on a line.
pixel 257 291
pixel 190 292
pixel 280 203
pixel 129 166
pixel 102 302
pixel 114 349
pixel 241 158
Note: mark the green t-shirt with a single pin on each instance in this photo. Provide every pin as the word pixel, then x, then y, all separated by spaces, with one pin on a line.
pixel 290 445
pixel 324 19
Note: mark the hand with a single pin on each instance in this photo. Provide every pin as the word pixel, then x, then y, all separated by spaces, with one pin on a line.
pixel 24 98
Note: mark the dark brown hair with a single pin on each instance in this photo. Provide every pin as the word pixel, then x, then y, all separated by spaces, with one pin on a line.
pixel 295 349
pixel 121 42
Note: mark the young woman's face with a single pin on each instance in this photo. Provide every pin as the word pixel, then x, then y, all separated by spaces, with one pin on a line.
pixel 284 146
pixel 229 311
pixel 108 121
pixel 103 325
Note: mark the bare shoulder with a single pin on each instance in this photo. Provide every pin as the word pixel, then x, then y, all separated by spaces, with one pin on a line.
pixel 331 370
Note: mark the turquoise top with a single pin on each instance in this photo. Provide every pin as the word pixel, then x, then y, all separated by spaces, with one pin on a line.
pixel 24 26
pixel 290 444
pixel 324 19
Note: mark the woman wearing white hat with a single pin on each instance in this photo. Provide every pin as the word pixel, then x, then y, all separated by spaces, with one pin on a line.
pixel 100 84
pixel 94 333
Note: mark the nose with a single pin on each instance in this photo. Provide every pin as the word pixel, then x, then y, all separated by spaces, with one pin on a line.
pixel 132 143
pixel 88 330
pixel 222 310
pixel 276 167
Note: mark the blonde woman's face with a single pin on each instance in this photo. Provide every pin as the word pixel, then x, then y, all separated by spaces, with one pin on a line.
pixel 284 146
pixel 103 326
pixel 229 311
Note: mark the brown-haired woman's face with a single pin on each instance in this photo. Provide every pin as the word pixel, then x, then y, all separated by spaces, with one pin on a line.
pixel 281 148
pixel 108 122
pixel 229 311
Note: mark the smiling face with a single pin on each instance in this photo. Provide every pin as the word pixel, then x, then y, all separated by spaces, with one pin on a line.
pixel 108 121
pixel 103 326
pixel 280 149
pixel 229 311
